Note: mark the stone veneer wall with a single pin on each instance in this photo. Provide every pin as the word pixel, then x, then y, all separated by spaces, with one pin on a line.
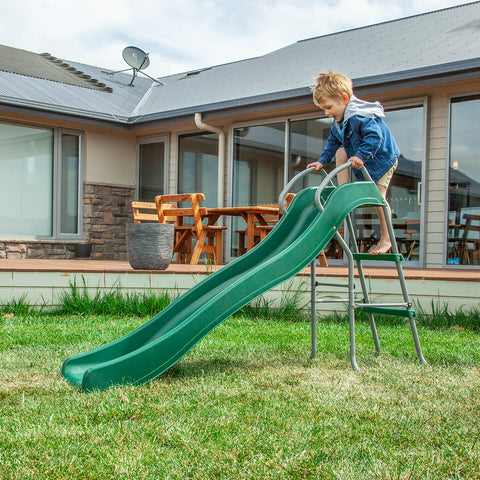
pixel 106 211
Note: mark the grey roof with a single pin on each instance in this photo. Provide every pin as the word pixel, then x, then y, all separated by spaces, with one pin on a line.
pixel 47 86
pixel 421 46
pixel 34 65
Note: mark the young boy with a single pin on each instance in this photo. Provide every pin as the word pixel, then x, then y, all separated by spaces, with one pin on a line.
pixel 358 134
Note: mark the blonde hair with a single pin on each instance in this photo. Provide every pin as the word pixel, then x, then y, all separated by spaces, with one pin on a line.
pixel 332 85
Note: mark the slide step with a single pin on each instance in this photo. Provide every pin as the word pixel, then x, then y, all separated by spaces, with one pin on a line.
pixel 389 257
pixel 399 312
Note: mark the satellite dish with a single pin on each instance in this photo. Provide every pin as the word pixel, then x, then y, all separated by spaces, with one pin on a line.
pixel 138 60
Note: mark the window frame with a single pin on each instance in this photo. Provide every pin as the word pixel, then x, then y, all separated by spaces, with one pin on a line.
pixel 160 138
pixel 56 178
pixel 422 101
pixel 450 98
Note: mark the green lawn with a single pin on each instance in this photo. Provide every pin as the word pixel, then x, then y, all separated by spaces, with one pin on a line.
pixel 246 403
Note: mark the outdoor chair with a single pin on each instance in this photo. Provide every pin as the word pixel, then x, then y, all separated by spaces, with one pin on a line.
pixel 468 245
pixel 147 212
pixel 191 240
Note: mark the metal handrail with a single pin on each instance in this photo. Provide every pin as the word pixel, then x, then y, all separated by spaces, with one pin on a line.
pixel 289 185
pixel 333 173
pixel 326 180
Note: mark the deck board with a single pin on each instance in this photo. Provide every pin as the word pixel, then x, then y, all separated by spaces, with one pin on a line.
pixel 118 266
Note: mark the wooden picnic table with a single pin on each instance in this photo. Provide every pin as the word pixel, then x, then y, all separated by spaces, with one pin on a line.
pixel 253 215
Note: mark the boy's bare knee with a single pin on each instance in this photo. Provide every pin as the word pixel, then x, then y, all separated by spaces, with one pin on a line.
pixel 341 157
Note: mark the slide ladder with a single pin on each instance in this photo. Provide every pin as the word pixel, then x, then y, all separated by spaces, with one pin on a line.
pixel 355 258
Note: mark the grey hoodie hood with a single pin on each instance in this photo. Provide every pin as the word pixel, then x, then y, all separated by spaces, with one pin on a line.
pixel 355 106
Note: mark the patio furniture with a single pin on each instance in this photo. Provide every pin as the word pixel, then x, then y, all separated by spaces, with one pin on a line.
pixel 467 245
pixel 251 214
pixel 207 238
pixel 367 228
pixel 262 227
pixel 412 240
pixel 260 220
pixel 407 234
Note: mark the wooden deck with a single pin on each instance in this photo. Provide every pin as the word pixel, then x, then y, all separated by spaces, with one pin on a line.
pixel 42 282
pixel 118 266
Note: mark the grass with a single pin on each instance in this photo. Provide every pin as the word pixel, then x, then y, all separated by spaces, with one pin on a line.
pixel 245 403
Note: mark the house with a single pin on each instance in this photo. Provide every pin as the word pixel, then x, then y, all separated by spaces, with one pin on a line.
pixel 78 143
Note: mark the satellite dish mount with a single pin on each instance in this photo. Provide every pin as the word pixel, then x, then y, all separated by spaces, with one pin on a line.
pixel 138 61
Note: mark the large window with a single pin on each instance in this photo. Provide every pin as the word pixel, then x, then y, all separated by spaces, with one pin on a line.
pixel 152 158
pixel 258 164
pixel 39 182
pixel 263 162
pixel 405 191
pixel 463 246
pixel 198 166
pixel 258 169
pixel 307 141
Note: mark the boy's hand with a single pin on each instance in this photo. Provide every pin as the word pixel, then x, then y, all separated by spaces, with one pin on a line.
pixel 357 162
pixel 317 166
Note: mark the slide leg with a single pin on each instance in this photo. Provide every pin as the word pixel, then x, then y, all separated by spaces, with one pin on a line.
pixel 416 340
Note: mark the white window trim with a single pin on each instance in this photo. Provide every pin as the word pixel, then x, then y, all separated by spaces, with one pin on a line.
pixel 57 175
pixel 447 178
pixel 163 138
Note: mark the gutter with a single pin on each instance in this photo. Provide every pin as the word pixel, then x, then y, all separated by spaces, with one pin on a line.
pixel 221 154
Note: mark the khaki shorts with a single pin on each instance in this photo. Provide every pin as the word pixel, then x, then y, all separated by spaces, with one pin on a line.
pixel 386 179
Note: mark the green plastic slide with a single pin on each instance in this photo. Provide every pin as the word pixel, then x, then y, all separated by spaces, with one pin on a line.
pixel 154 347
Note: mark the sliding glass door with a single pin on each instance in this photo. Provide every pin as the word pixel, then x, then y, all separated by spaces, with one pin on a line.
pixel 405 192
pixel 198 166
pixel 258 169
pixel 463 222
pixel 258 164
pixel 267 156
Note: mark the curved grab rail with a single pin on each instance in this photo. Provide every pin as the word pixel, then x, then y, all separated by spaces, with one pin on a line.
pixel 332 174
pixel 289 184
pixel 327 180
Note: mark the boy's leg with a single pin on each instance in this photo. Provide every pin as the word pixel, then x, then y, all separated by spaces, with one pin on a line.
pixel 340 159
pixel 384 244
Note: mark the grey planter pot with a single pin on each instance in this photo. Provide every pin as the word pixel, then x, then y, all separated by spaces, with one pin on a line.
pixel 150 245
pixel 83 250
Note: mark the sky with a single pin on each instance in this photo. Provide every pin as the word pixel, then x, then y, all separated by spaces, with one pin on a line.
pixel 184 35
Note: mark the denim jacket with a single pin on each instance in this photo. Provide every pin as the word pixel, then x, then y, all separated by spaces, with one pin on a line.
pixel 366 137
